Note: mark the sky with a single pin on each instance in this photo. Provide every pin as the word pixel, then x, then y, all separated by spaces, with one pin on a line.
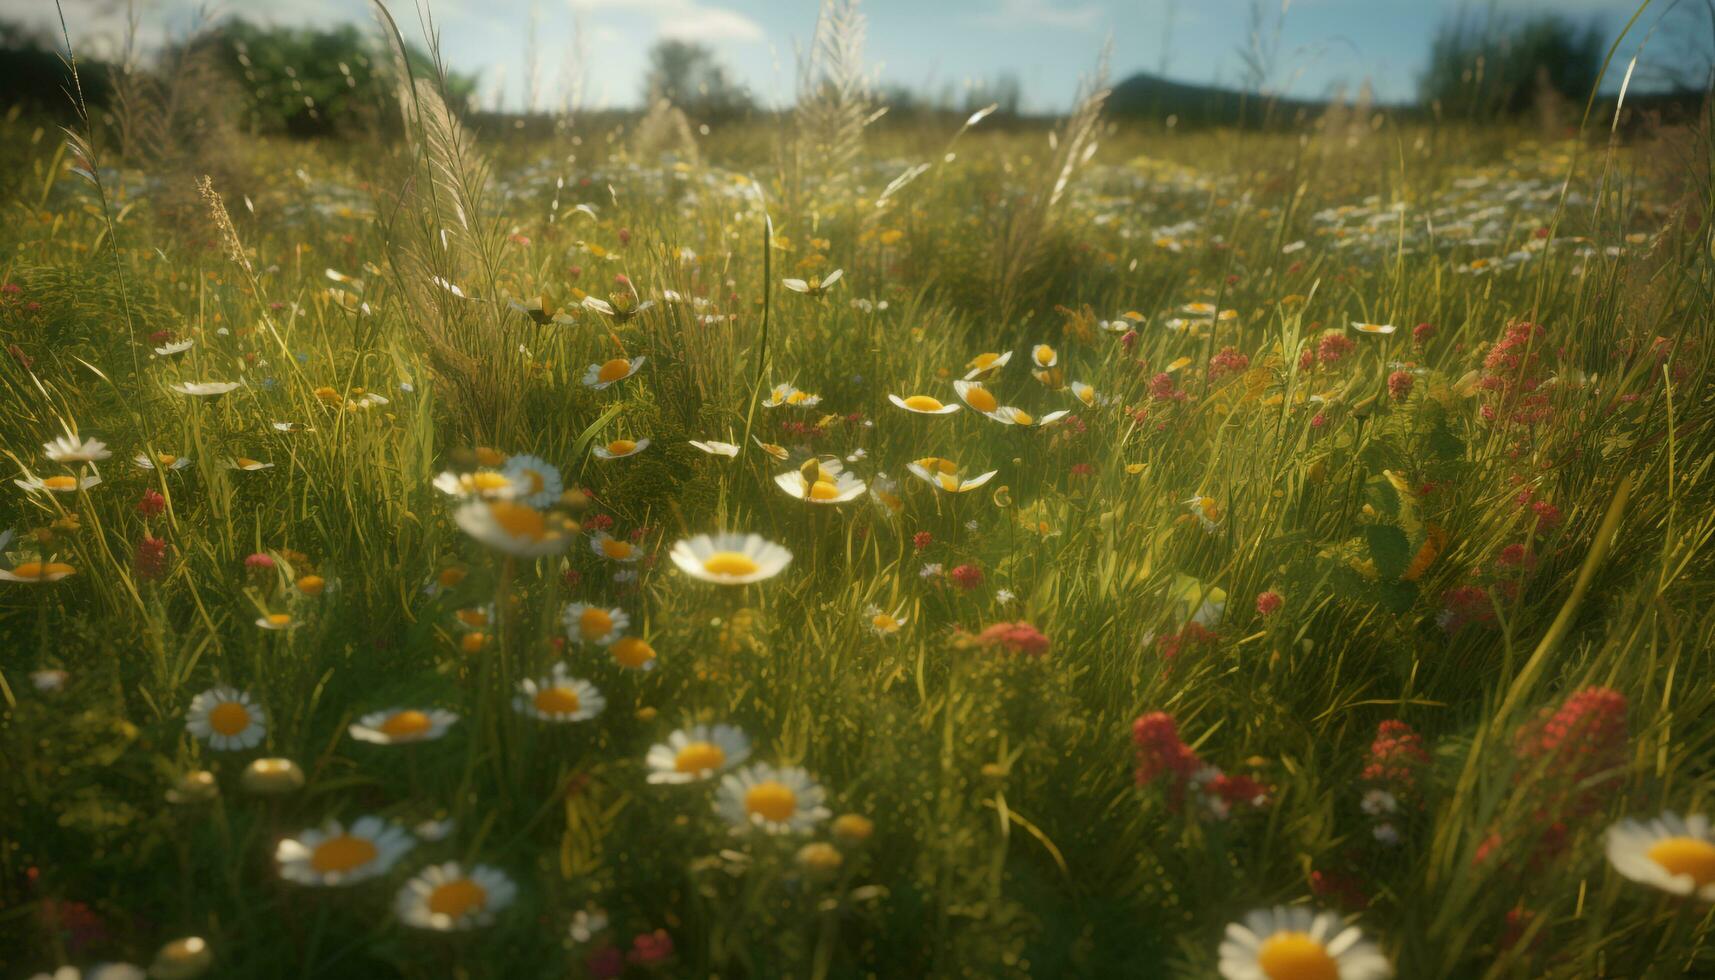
pixel 594 50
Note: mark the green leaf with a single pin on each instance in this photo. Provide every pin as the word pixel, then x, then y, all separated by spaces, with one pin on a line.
pixel 1389 549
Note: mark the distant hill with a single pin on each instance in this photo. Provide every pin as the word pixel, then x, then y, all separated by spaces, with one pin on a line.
pixel 1147 97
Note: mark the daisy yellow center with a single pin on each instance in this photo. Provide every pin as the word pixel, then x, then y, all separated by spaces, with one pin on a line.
pixel 489 457
pixel 518 520
pixel 406 723
pixel 247 463
pixel 981 399
pixel 595 623
pixel 984 360
pixel 1210 510
pixel 797 397
pixel 771 800
pixel 557 701
pixel 615 549
pixel 229 718
pixel 1692 856
pixel 450 577
pixel 60 483
pixel 1022 417
pixel 458 898
pixel 1045 356
pixel 699 756
pixel 613 370
pixel 632 652
pixel 312 584
pixel 1295 956
pixel 949 481
pixel 884 622
pixel 620 447
pixel 823 490
pixel 167 459
pixel 342 853
pixel 923 403
pixel 729 563
pixel 36 569
pixel 489 481
pixel 1086 395
pixel 536 481
pixel 279 619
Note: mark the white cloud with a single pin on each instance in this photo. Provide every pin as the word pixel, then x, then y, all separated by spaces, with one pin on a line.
pixel 1044 13
pixel 687 20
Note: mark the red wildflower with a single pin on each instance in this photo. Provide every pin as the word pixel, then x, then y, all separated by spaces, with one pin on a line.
pixel 149 562
pixel 1019 637
pixel 967 577
pixel 922 539
pixel 1399 385
pixel 151 504
pixel 1268 603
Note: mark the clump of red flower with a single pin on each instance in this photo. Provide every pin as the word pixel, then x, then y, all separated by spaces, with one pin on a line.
pixel 149 561
pixel 966 577
pixel 1228 361
pixel 1165 760
pixel 1019 637
pixel 1399 385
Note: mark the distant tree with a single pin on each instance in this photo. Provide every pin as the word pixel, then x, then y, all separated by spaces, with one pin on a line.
pixel 1004 90
pixel 309 82
pixel 689 75
pixel 1498 70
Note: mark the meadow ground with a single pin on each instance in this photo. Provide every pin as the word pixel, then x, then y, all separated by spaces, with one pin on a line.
pixel 1149 529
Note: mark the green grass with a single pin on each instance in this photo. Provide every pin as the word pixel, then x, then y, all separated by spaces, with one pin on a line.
pixel 1010 837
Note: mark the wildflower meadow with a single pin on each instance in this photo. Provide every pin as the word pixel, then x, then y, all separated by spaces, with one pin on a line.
pixel 821 546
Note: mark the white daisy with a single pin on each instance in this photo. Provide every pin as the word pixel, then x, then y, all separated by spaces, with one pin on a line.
pixel 57 484
pixel 204 389
pixel 777 801
pixel 1381 329
pixel 1083 392
pixel 986 365
pixel 593 624
pixel 778 452
pixel 449 897
pixel 813 286
pixel 558 697
pixel 611 372
pixel 1670 853
pixel 277 621
pixel 247 464
pixel 621 448
pixel 175 347
pixel 716 448
pixel 534 480
pixel 162 461
pixel 34 572
pixel 514 528
pixel 832 485
pixel 1007 415
pixel 787 394
pixel 923 404
pixel 885 623
pixel 1294 943
pixel 730 558
pixel 226 719
pixel 607 546
pixel 697 753
pixel 949 481
pixel 398 726
pixel 333 855
pixel 1043 356
pixel 487 484
pixel 979 398
pixel 70 449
